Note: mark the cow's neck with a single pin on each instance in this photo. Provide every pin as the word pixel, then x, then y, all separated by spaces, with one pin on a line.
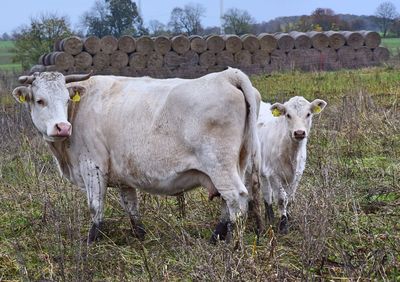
pixel 61 153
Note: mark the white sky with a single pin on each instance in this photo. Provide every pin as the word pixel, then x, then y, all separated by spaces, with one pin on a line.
pixel 14 13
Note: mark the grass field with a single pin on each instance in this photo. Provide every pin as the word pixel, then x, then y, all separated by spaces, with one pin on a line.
pixel 344 223
pixel 6 54
pixel 393 44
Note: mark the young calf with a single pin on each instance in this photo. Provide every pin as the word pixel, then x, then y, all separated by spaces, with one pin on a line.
pixel 283 131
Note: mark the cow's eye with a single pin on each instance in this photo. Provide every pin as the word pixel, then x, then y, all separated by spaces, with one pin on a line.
pixel 308 114
pixel 40 102
pixel 288 116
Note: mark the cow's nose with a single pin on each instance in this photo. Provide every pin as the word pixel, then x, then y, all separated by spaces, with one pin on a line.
pixel 63 129
pixel 299 134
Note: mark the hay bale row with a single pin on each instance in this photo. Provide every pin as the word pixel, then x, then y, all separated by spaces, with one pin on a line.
pixel 324 50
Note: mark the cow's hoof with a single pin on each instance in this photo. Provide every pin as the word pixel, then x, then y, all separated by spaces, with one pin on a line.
pixel 94 233
pixel 269 214
pixel 283 225
pixel 223 231
pixel 139 231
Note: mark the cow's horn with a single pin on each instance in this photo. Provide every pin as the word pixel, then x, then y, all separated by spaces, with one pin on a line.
pixel 26 79
pixel 77 77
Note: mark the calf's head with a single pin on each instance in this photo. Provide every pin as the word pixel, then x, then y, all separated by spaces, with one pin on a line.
pixel 297 114
pixel 47 97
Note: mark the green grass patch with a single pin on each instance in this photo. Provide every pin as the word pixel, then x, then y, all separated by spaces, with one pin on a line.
pixel 393 44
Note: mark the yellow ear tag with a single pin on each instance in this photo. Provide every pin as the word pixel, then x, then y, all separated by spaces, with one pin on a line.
pixel 317 109
pixel 76 97
pixel 22 99
pixel 276 112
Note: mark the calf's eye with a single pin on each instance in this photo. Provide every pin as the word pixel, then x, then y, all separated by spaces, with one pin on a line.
pixel 288 116
pixel 40 102
pixel 308 115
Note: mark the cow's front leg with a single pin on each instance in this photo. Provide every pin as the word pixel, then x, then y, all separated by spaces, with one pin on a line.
pixel 267 194
pixel 223 230
pixel 282 206
pixel 95 184
pixel 129 201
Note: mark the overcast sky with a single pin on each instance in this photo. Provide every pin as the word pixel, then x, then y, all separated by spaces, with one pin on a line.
pixel 14 13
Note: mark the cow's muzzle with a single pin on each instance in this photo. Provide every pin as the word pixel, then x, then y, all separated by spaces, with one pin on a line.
pixel 63 129
pixel 299 134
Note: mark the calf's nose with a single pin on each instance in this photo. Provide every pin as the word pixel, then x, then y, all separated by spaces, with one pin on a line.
pixel 63 129
pixel 299 134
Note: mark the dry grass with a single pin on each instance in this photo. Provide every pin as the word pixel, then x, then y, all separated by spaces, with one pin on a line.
pixel 344 221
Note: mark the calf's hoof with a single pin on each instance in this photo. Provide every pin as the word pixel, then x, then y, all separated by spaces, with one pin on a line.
pixel 283 225
pixel 223 231
pixel 269 214
pixel 139 231
pixel 94 232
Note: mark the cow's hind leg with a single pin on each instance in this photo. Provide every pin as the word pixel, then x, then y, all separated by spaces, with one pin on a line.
pixel 129 201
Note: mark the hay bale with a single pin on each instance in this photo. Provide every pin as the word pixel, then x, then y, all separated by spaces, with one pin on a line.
pixel 108 44
pixel 372 39
pixel 260 58
pixel 364 56
pixel 215 43
pixel 268 42
pixel 162 45
pixel 329 58
pixel 126 44
pixel 305 59
pixel 301 40
pixel 243 58
pixel 101 60
pixel 250 42
pixel 353 39
pixel 144 45
pixel 91 45
pixel 190 58
pixel 173 60
pixel 83 60
pixel 336 39
pixel 319 40
pixel 207 59
pixel 41 59
pixel 198 44
pixel 138 60
pixel 279 60
pixel 347 56
pixel 381 54
pixel 180 44
pixel 225 58
pixel 155 60
pixel 62 60
pixel 119 59
pixel 72 45
pixel 284 41
pixel 233 43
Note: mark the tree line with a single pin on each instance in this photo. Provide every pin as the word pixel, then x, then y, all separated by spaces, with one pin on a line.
pixel 120 17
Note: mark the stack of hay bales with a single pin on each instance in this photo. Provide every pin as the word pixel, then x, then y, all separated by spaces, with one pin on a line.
pixel 193 56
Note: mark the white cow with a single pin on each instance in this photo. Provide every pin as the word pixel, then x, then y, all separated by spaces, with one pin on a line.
pixel 283 130
pixel 163 136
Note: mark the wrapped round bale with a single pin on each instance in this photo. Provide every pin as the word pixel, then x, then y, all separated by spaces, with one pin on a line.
pixel 215 43
pixel 91 45
pixel 225 58
pixel 119 59
pixel 162 45
pixel 62 60
pixel 72 45
pixel 126 44
pixel 198 44
pixel 138 60
pixel 284 41
pixel 173 60
pixel 101 60
pixel 319 40
pixel 233 43
pixel 372 39
pixel 108 44
pixel 207 59
pixel 190 58
pixel 353 39
pixel 250 42
pixel 155 60
pixel 83 60
pixel 268 42
pixel 180 44
pixel 301 40
pixel 144 45
pixel 336 39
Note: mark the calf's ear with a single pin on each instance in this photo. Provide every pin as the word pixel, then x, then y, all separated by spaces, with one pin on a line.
pixel 317 106
pixel 22 94
pixel 278 109
pixel 75 92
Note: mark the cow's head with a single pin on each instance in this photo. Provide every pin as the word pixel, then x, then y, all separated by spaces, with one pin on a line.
pixel 298 113
pixel 47 97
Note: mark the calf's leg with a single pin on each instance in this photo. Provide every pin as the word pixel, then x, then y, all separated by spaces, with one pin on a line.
pixel 129 201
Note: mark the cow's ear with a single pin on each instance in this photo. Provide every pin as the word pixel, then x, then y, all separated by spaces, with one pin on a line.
pixel 76 92
pixel 317 106
pixel 22 94
pixel 278 109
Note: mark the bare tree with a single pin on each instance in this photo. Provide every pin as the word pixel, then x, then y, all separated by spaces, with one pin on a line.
pixel 386 14
pixel 157 28
pixel 187 20
pixel 237 21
